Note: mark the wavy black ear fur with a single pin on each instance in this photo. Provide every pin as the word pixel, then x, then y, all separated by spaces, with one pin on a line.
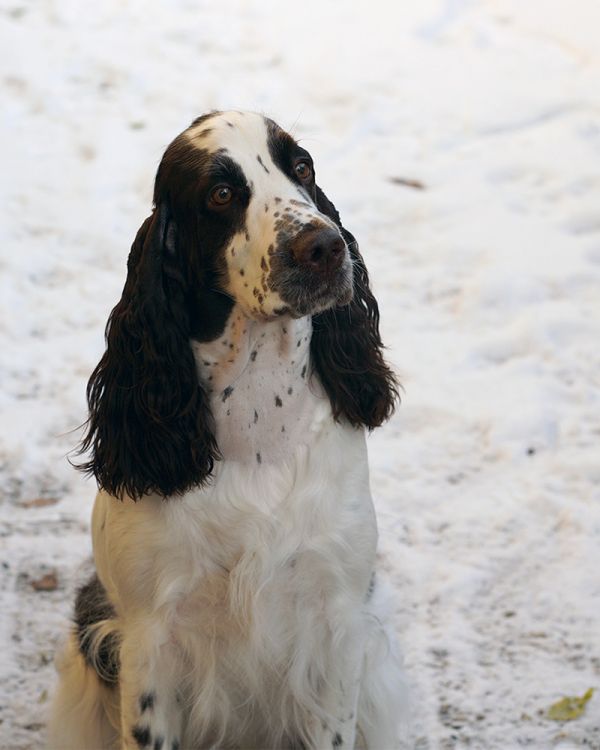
pixel 346 347
pixel 150 428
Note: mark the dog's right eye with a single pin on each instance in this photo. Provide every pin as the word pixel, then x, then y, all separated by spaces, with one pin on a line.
pixel 220 196
pixel 303 170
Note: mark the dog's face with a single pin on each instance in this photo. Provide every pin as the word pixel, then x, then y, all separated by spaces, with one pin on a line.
pixel 248 190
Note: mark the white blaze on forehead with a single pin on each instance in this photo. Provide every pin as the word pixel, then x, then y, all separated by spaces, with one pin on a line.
pixel 245 138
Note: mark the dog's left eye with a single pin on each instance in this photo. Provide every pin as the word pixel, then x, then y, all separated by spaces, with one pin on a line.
pixel 303 170
pixel 221 195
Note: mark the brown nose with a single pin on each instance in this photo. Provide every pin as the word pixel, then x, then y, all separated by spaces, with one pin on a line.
pixel 321 250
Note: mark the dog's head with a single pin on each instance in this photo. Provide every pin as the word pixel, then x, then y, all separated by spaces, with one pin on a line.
pixel 238 218
pixel 242 197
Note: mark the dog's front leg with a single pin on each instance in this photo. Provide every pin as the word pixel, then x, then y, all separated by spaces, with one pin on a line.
pixel 151 714
pixel 339 699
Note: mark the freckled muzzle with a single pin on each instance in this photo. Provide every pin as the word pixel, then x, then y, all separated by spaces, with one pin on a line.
pixel 311 268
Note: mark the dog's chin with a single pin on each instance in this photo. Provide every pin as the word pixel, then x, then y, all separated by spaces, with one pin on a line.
pixel 307 303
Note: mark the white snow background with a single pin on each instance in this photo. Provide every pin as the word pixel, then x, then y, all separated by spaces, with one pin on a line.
pixel 487 480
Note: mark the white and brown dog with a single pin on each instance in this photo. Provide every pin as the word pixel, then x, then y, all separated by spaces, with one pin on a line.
pixel 235 603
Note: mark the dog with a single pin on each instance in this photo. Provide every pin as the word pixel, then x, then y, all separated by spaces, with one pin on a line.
pixel 234 602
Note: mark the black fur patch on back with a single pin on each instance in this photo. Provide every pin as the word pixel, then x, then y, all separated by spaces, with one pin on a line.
pixel 92 606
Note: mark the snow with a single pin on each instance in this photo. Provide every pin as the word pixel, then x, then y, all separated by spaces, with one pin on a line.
pixel 487 480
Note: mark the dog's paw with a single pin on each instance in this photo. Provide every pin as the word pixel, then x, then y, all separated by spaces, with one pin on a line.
pixel 158 726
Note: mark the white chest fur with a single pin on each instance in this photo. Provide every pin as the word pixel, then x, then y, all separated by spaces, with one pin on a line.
pixel 262 397
pixel 292 485
pixel 258 579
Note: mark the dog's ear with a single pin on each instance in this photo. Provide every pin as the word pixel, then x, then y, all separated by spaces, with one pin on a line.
pixel 346 347
pixel 150 429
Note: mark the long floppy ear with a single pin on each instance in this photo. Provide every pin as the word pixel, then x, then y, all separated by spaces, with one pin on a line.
pixel 150 427
pixel 346 347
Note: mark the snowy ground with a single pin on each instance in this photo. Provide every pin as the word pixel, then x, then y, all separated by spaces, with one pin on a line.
pixel 487 481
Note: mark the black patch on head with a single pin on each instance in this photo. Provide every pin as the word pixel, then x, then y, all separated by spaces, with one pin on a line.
pixel 142 736
pixel 278 401
pixel 255 416
pixel 230 124
pixel 303 373
pixel 253 354
pixel 258 458
pixel 284 151
pixel 290 391
pixel 185 177
pixel 262 164
pixel 226 393
pixel 337 740
pixel 147 702
pixel 92 606
pixel 159 741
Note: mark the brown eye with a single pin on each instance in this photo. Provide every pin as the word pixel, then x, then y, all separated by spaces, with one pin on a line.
pixel 221 195
pixel 303 170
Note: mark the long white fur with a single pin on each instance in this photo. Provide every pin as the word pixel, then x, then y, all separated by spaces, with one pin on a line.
pixel 242 605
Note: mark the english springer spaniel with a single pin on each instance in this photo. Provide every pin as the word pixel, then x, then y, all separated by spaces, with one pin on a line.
pixel 234 602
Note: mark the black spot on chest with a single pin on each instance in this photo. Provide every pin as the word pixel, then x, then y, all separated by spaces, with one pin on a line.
pixel 141 735
pixel 278 401
pixel 371 588
pixel 146 702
